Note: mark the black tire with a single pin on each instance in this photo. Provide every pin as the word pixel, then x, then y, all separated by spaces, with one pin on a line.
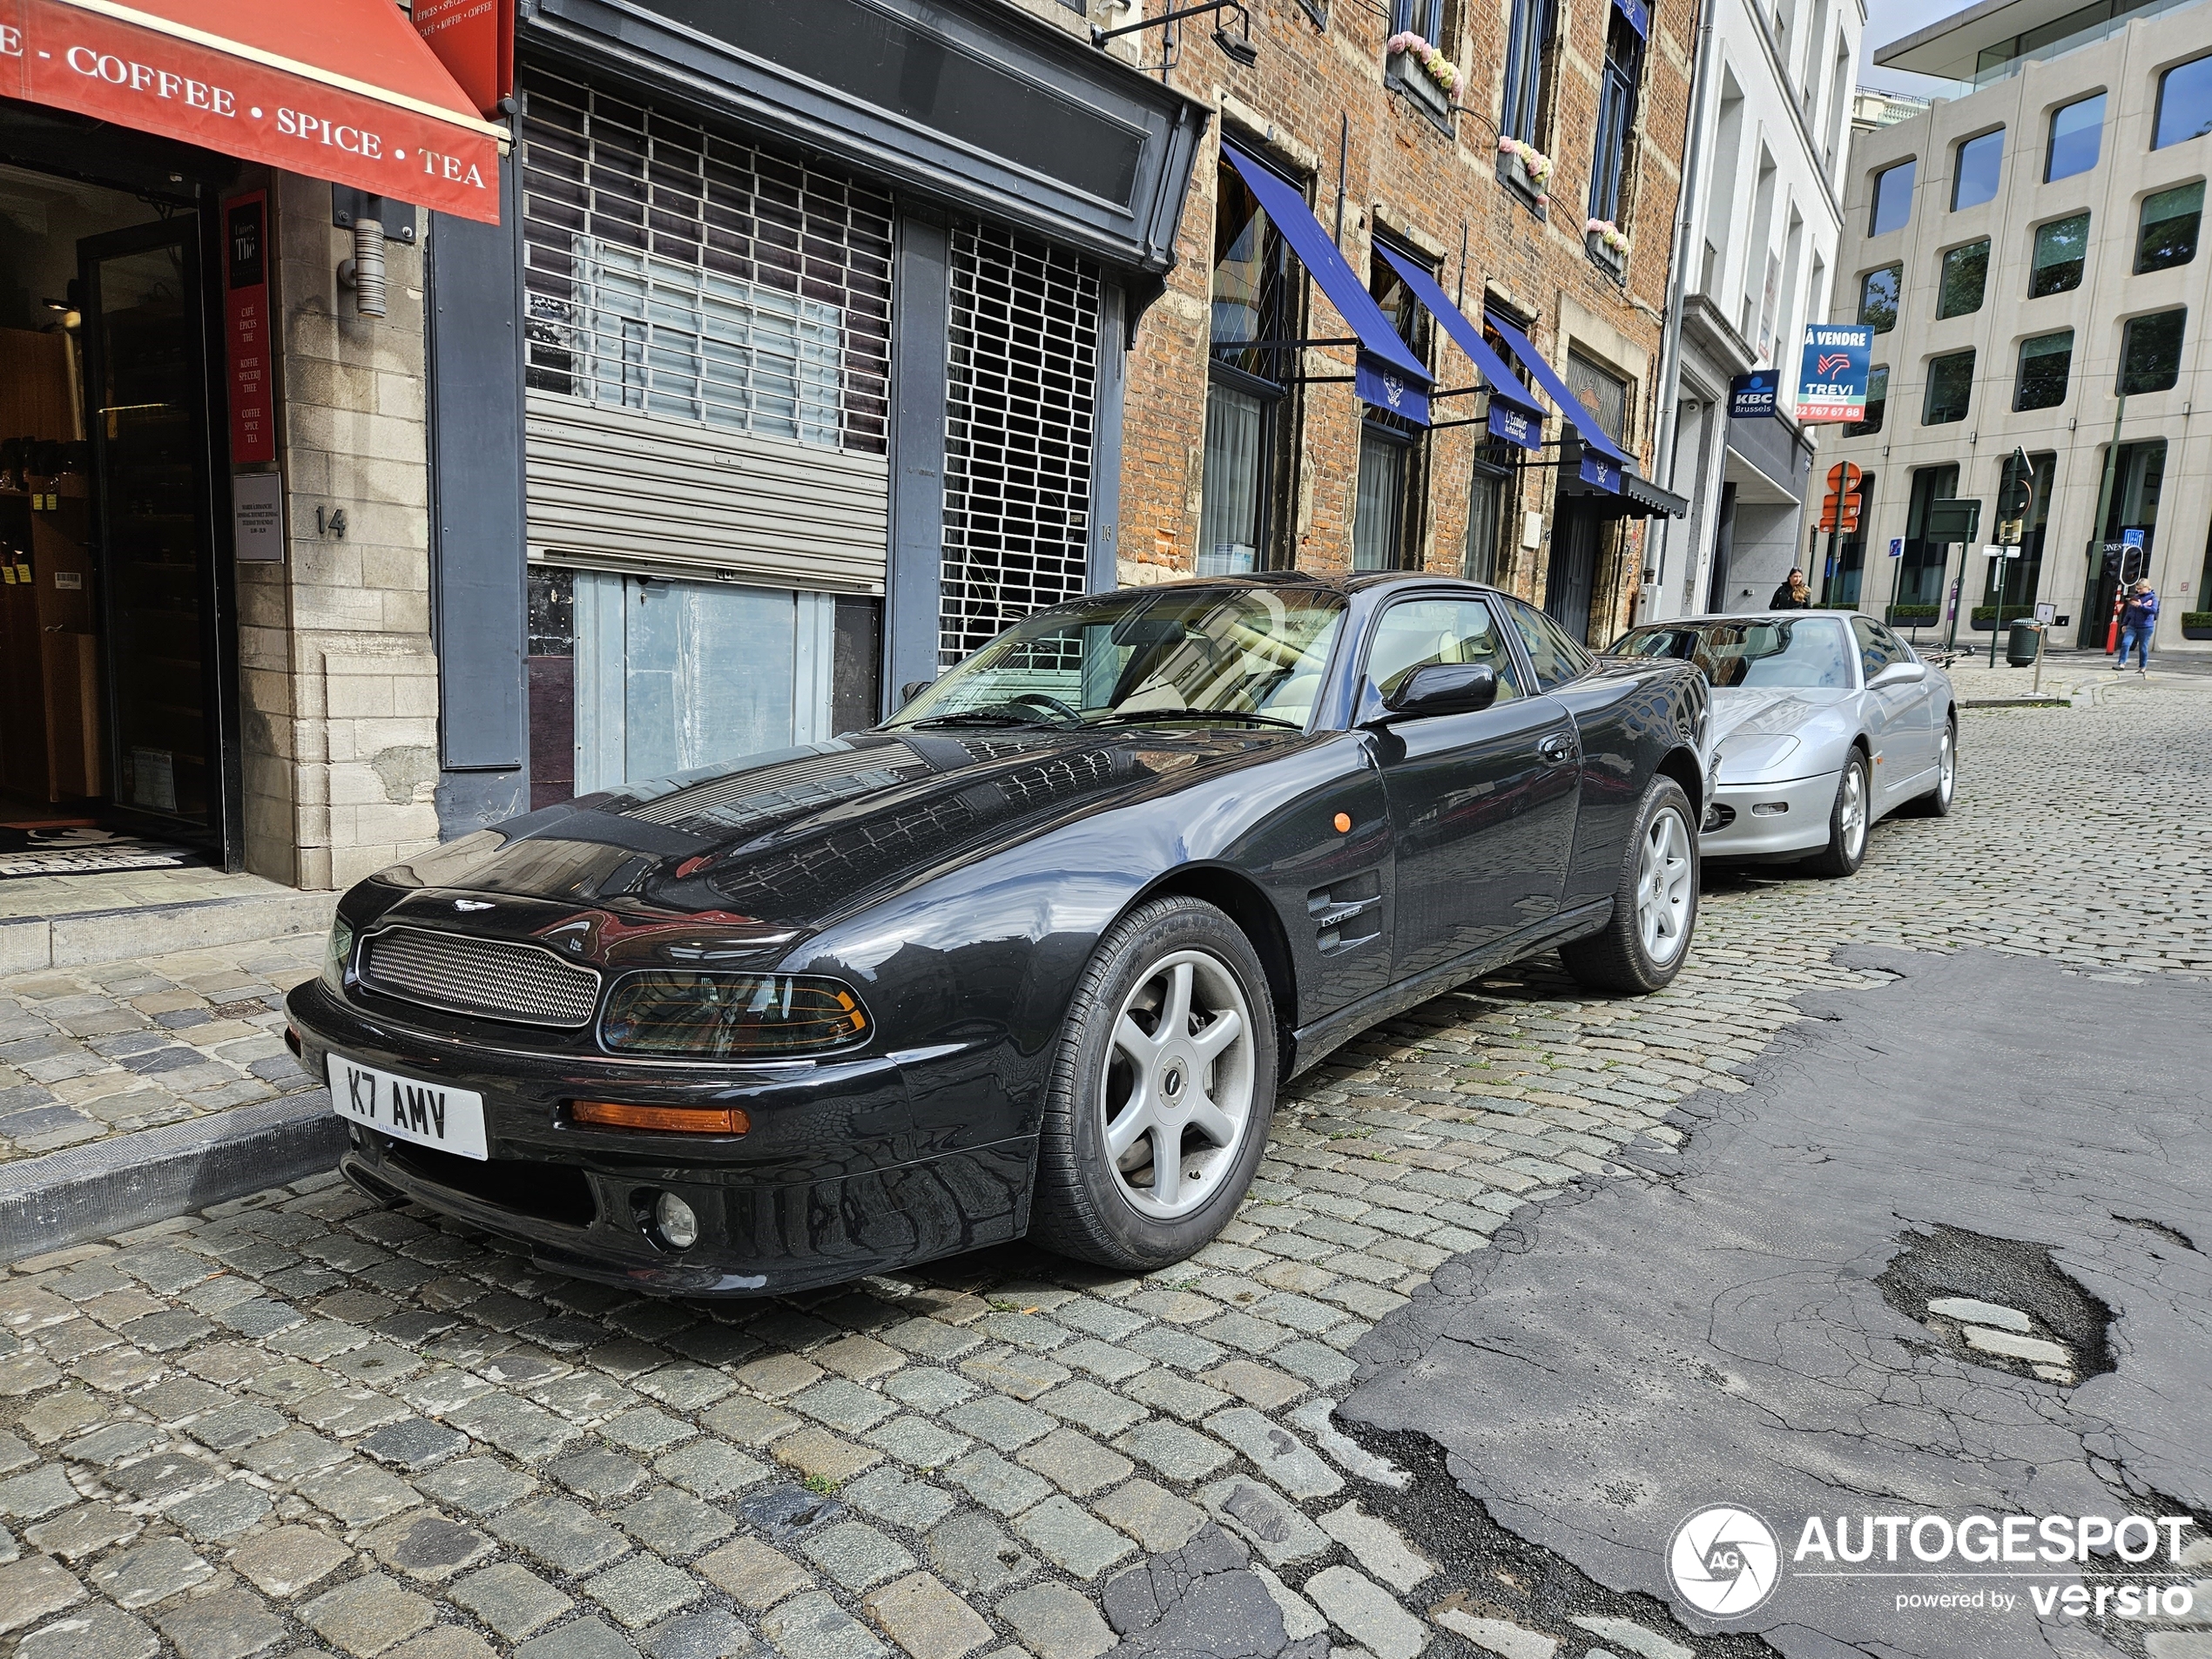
pixel 1619 957
pixel 1087 1202
pixel 1847 837
pixel 1937 802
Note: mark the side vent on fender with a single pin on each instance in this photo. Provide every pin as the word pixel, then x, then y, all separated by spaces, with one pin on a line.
pixel 1346 913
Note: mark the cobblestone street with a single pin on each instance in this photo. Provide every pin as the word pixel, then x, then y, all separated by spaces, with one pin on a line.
pixel 299 1424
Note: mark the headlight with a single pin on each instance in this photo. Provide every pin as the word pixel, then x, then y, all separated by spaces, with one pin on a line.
pixel 726 1016
pixel 1749 757
pixel 340 946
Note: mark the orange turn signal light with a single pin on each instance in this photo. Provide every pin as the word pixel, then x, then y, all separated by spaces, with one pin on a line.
pixel 681 1120
pixel 1344 822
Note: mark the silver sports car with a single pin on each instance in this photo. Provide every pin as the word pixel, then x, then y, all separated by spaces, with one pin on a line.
pixel 1824 723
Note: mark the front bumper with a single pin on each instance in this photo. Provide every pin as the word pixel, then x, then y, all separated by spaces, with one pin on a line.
pixel 1801 826
pixel 827 1185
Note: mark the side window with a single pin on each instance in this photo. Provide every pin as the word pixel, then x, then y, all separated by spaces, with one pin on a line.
pixel 1415 632
pixel 1556 658
pixel 1877 647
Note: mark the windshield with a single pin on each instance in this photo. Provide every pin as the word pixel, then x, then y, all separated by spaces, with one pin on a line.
pixel 1249 656
pixel 1809 652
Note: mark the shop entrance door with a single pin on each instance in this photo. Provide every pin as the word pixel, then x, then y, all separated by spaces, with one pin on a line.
pixel 152 526
pixel 1572 581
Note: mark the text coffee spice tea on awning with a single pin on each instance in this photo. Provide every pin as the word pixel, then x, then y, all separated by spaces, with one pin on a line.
pixel 342 90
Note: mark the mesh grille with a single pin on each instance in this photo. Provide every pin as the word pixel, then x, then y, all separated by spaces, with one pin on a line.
pixel 671 269
pixel 1018 430
pixel 525 983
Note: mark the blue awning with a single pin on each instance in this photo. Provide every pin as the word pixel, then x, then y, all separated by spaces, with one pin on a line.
pixel 1514 414
pixel 1636 15
pixel 1593 436
pixel 1387 374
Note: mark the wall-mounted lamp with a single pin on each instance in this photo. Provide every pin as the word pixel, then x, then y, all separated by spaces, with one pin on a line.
pixel 68 319
pixel 374 221
pixel 1237 48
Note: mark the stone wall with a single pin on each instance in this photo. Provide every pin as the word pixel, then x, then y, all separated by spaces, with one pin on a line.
pixel 339 687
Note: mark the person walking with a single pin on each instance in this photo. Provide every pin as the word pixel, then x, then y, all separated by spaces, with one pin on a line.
pixel 2138 618
pixel 1793 595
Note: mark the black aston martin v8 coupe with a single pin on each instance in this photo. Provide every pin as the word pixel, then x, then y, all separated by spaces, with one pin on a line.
pixel 1031 956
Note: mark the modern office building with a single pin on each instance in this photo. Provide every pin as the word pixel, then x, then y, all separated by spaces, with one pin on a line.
pixel 1756 256
pixel 2029 255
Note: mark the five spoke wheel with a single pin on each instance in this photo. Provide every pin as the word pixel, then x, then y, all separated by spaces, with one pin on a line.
pixel 1178 1089
pixel 1664 880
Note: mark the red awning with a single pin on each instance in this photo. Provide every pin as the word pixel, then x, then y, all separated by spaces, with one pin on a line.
pixel 342 90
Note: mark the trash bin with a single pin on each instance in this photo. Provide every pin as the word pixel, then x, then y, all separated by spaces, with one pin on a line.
pixel 2024 644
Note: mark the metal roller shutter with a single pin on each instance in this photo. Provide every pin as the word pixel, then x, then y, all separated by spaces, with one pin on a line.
pixel 708 350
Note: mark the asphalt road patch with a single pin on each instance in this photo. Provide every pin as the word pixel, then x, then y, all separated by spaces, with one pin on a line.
pixel 1751 1331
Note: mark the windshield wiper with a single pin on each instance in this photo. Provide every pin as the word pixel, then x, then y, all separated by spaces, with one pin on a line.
pixel 1133 716
pixel 984 717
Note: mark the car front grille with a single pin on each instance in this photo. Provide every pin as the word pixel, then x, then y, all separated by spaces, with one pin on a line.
pixel 527 984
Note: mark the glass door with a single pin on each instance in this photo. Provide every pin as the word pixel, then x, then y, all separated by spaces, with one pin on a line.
pixel 147 406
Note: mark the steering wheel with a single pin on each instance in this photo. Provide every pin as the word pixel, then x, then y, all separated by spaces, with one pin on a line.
pixel 1051 702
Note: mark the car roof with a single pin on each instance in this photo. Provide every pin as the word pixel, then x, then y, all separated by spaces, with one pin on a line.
pixel 1347 582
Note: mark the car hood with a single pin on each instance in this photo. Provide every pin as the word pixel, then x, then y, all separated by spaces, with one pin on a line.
pixel 760 853
pixel 1771 711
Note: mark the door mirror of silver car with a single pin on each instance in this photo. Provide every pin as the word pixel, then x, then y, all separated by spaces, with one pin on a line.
pixel 1899 674
pixel 912 690
pixel 1442 688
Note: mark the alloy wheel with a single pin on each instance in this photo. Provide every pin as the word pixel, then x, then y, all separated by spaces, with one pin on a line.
pixel 1663 879
pixel 1947 778
pixel 1854 809
pixel 1179 1084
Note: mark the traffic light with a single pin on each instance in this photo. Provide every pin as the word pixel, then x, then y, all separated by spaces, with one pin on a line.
pixel 2015 498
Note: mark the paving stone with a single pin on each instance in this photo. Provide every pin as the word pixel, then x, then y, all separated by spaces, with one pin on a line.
pixel 674 1523
pixel 1626 1632
pixel 1180 1396
pixel 1075 1462
pixel 1255 1384
pixel 1091 1408
pixel 995 1483
pixel 445 1642
pixel 843 1405
pixel 749 1422
pixel 710 1470
pixel 711 1633
pixel 1501 1637
pixel 755 1575
pixel 414 1443
pixel 971 1551
pixel 358 1493
pixel 1052 1619
pixel 526 1432
pixel 227 1624
pixel 1276 1452
pixel 925 1619
pixel 1260 1516
pixel 367 1615
pixel 565 1536
pixel 597 1473
pixel 586 1638
pixel 96 1632
pixel 1366 1613
pixel 814 1627
pixel 1176 1452
pixel 1072 1539
pixel 646 1431
pixel 862 1359
pixel 1378 1547
pixel 289 1560
pixel 42 1492
pixel 429 1548
pixel 779 1375
pixel 31 1588
pixel 510 1598
pixel 1321 1365
pixel 856 1556
pixel 888 1495
pixel 149 1571
pixel 917 1441
pixel 1013 1371
pixel 784 1511
pixel 477 1486
pixel 926 1389
pixel 1154 1516
pixel 643 1590
pixel 82 1531
pixel 818 1455
pixel 714 1633
pixel 998 1421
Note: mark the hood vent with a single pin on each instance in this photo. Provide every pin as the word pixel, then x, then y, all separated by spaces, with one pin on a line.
pixel 765 794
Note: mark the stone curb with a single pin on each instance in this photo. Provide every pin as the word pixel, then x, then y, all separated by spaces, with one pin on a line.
pixel 30 943
pixel 2015 702
pixel 81 1193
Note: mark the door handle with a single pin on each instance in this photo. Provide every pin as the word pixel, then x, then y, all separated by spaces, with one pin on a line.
pixel 1555 749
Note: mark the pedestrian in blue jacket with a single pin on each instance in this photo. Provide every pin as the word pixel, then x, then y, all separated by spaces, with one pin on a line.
pixel 2137 618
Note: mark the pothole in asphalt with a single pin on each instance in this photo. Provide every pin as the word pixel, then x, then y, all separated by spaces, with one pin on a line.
pixel 1999 1303
pixel 1495 1582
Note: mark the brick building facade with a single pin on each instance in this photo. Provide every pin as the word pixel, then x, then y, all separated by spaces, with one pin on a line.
pixel 1329 104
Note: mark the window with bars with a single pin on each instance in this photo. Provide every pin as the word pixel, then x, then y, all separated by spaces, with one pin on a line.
pixel 1021 407
pixel 678 273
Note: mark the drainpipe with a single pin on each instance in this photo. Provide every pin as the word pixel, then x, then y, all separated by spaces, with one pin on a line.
pixel 1686 206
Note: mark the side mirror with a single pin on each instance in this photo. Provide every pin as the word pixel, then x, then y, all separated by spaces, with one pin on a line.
pixel 1899 674
pixel 912 690
pixel 1443 688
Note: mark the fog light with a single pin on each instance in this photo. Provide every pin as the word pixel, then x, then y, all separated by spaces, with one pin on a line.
pixel 1770 809
pixel 673 1220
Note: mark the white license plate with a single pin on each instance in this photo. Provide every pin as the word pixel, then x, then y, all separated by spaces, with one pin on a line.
pixel 429 1113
